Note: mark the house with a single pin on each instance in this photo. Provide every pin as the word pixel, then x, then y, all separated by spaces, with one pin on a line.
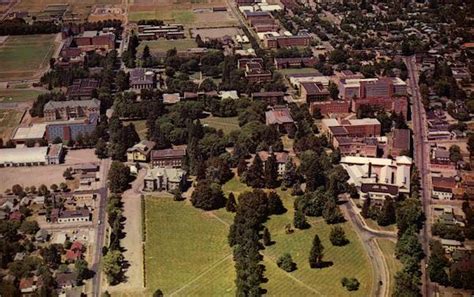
pixel 66 280
pixel 164 179
pixel 70 216
pixel 443 187
pixel 85 179
pixel 75 252
pixel 168 158
pixel 82 89
pixel 440 156
pixel 140 152
pixel 400 142
pixel 281 159
pixel 281 117
pixel 171 98
pixel 142 79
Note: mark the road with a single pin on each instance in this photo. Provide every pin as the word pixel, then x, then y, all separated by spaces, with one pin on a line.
pixel 100 232
pixel 381 278
pixel 421 155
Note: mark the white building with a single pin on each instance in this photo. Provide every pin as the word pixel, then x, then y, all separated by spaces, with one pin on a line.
pixel 31 156
pixel 164 179
pixel 378 178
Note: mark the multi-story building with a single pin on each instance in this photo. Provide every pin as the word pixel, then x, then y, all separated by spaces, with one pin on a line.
pixel 372 88
pixel 400 142
pixel 443 187
pixel 164 179
pixel 351 128
pixel 398 105
pixel 150 32
pixel 282 63
pixel 70 216
pixel 272 98
pixel 254 71
pixel 280 157
pixel 281 117
pixel 95 40
pixel 330 107
pixel 141 79
pixel 355 146
pixel 71 129
pixel 140 152
pixel 314 91
pixel 270 41
pixel 82 89
pixel 65 110
pixel 168 158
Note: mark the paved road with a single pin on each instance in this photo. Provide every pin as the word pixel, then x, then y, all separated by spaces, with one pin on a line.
pixel 100 232
pixel 381 278
pixel 421 154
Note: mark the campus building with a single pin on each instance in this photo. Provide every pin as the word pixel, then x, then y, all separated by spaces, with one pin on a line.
pixel 31 156
pixel 141 79
pixel 65 110
pixel 69 130
pixel 280 116
pixel 140 152
pixel 164 179
pixel 168 158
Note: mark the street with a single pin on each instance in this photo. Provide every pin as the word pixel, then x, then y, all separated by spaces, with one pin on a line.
pixel 422 159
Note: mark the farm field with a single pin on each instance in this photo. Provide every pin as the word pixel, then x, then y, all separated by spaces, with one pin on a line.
pixel 388 249
pixel 163 45
pixel 226 124
pixel 186 250
pixel 80 7
pixel 21 57
pixel 18 95
pixel 9 119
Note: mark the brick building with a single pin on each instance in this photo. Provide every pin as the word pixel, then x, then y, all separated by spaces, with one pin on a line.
pixel 254 70
pixel 400 142
pixel 95 40
pixel 282 63
pixel 69 130
pixel 141 79
pixel 169 158
pixel 356 146
pixel 350 128
pixel 330 107
pixel 313 91
pixel 272 98
pixel 281 117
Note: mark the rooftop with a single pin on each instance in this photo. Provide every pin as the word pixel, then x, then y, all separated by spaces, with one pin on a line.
pixel 23 155
pixel 279 115
pixel 36 131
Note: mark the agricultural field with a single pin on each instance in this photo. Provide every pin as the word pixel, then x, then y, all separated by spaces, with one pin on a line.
pixel 18 95
pixel 9 119
pixel 80 7
pixel 226 124
pixel 163 45
pixel 388 249
pixel 21 57
pixel 186 250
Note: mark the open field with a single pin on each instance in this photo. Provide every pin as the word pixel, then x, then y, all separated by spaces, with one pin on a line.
pixel 163 45
pixel 80 7
pixel 21 57
pixel 168 15
pixel 297 70
pixel 186 250
pixel 388 249
pixel 226 124
pixel 373 224
pixel 9 119
pixel 19 95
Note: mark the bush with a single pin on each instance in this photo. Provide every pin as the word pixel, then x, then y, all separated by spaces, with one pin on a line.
pixel 351 284
pixel 338 236
pixel 286 263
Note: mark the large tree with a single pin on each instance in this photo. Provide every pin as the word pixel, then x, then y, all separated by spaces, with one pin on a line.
pixel 387 215
pixel 316 254
pixel 338 236
pixel 254 176
pixel 271 172
pixel 208 196
pixel 119 177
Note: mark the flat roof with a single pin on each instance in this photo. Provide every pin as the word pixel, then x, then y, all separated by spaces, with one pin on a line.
pixel 23 155
pixel 36 131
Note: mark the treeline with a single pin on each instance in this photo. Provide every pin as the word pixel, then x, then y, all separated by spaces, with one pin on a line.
pixel 42 99
pixel 21 27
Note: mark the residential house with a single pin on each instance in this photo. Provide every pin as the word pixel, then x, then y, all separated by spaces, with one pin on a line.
pixel 442 187
pixel 140 152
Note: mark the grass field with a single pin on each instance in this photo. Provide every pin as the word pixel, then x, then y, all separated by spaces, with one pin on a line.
pixel 297 70
pixel 18 95
pixel 226 124
pixel 170 15
pixel 186 250
pixel 21 57
pixel 79 7
pixel 140 127
pixel 9 119
pixel 388 250
pixel 162 45
pixel 373 224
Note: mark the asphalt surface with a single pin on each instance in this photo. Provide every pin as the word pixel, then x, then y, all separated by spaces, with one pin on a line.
pixel 100 228
pixel 421 155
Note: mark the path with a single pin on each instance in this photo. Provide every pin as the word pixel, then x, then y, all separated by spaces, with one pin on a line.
pixel 132 243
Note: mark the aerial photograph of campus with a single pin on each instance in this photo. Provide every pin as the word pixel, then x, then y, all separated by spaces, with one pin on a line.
pixel 246 148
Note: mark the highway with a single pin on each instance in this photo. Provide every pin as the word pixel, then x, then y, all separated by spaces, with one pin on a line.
pixel 421 155
pixel 100 231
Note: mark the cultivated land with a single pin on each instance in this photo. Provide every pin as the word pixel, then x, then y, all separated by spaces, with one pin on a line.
pixel 21 57
pixel 19 95
pixel 226 124
pixel 9 119
pixel 162 45
pixel 188 251
pixel 388 249
pixel 79 7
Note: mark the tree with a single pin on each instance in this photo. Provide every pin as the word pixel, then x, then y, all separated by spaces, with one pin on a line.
pixel 29 227
pixel 387 215
pixel 338 236
pixel 365 212
pixel 290 176
pixel 208 196
pixel 333 90
pixel 158 293
pixel 82 270
pixel 408 213
pixel 112 266
pixel 470 144
pixel 271 172
pixel 316 254
pixel 331 213
pixel 455 153
pixel 286 263
pixel 67 174
pixel 63 187
pixel 54 187
pixel 409 246
pixel 241 167
pixel 267 239
pixel 351 284
pixel 101 149
pixel 406 285
pixel 254 175
pixel 57 140
pixel 299 220
pixel 437 264
pixel 119 177
pixel 275 205
pixel 231 205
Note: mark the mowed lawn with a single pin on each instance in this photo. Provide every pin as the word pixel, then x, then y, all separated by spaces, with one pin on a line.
pixel 19 95
pixel 394 265
pixel 167 14
pixel 163 45
pixel 186 250
pixel 22 56
pixel 227 125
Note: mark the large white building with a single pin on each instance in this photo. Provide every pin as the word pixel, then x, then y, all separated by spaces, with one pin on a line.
pixel 378 178
pixel 31 156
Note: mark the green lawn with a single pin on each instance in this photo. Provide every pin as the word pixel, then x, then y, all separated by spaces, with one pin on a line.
pixel 388 250
pixel 186 250
pixel 169 15
pixel 163 45
pixel 297 70
pixel 19 95
pixel 373 224
pixel 22 56
pixel 226 124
